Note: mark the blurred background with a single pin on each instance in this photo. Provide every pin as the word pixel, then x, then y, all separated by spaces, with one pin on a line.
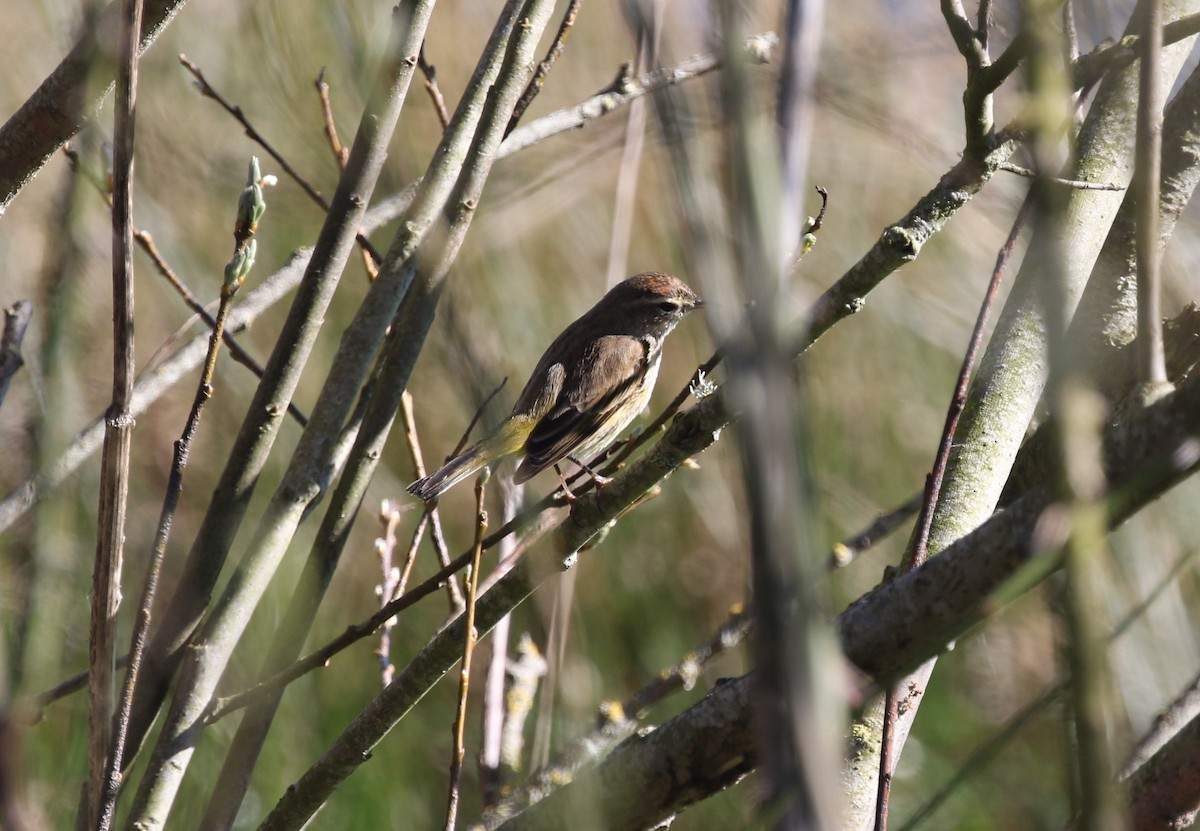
pixel 540 253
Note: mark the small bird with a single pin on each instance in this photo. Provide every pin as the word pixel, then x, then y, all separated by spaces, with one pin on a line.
pixel 589 385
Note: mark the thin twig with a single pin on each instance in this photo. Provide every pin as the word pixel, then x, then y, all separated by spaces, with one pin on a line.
pixel 504 713
pixel 887 760
pixel 624 90
pixel 431 87
pixel 539 75
pixel 67 687
pixel 685 674
pixel 920 545
pixel 105 746
pixel 385 547
pixel 983 77
pixel 558 626
pixel 396 590
pixel 341 153
pixel 1077 423
pixel 819 222
pixel 146 243
pixel 1026 173
pixel 1182 709
pixel 436 536
pixel 250 209
pixel 341 156
pixel 182 450
pixel 158 553
pixel 629 167
pixel 1071 53
pixel 148 389
pixel 933 484
pixel 207 90
pixel 845 551
pixel 410 559
pixel 606 102
pixel 102 187
pixel 512 549
pixel 236 350
pixel 222 707
pixel 464 682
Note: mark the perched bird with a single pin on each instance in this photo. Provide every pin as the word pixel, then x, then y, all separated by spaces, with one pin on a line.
pixel 588 386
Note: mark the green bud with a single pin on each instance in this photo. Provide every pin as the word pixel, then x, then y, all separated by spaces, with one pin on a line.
pixel 251 202
pixel 239 266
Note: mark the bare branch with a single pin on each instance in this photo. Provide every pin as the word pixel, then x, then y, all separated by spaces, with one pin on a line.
pixel 543 69
pixel 1152 368
pixel 464 682
pixel 104 746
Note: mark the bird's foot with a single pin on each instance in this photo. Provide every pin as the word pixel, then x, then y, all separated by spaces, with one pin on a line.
pixel 601 481
pixel 570 497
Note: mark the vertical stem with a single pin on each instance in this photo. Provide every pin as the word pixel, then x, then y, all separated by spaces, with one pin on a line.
pixel 1077 419
pixel 495 713
pixel 1152 369
pixel 464 679
pixel 114 488
pixel 798 711
pixel 141 627
pixel 920 548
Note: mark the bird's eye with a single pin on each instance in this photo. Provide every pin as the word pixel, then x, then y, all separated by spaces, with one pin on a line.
pixel 668 306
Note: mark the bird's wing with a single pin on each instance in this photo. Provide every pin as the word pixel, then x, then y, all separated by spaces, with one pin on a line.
pixel 605 374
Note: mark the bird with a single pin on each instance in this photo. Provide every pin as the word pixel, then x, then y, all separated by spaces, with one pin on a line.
pixel 591 382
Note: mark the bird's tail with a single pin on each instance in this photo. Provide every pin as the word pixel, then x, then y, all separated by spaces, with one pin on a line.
pixel 509 439
pixel 470 461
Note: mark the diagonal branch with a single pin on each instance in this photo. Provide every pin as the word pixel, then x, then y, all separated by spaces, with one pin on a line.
pixel 543 69
pixel 880 632
pixel 60 107
pixel 258 431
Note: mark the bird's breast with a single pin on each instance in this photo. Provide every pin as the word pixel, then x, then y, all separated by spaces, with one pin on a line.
pixel 650 373
pixel 652 351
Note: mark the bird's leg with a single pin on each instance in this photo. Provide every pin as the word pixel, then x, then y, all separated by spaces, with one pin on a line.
pixel 563 481
pixel 600 481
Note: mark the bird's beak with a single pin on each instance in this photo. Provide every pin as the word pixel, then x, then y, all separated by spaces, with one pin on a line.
pixel 698 303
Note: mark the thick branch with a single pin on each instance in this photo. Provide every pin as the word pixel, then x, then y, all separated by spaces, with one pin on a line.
pixel 58 109
pixel 691 433
pixel 888 632
pixel 901 243
pixel 1165 792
